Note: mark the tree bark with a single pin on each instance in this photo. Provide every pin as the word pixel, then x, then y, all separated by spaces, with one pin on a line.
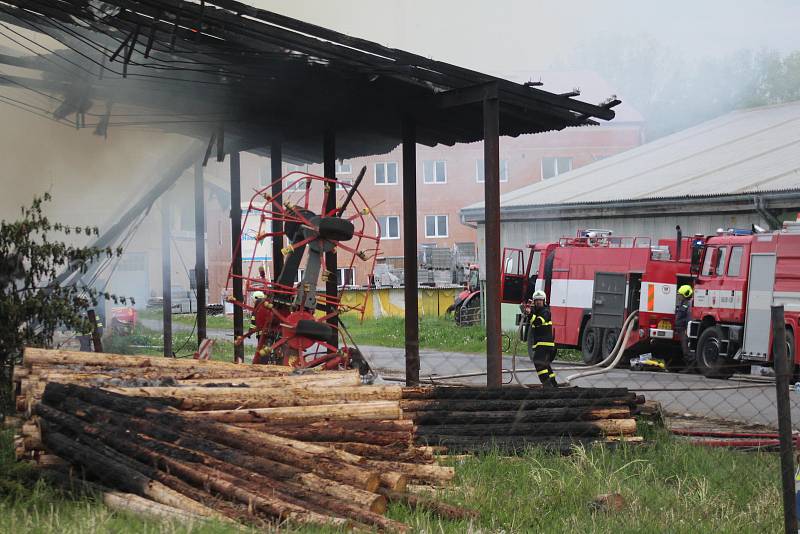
pixel 573 428
pixel 465 405
pixel 530 416
pixel 448 511
pixel 303 414
pixel 510 393
pixel 229 398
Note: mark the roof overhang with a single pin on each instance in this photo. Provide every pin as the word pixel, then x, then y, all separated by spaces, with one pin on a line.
pixel 689 205
pixel 252 77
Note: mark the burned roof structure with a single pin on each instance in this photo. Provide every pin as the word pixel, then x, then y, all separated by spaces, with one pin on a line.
pixel 255 75
pixel 239 78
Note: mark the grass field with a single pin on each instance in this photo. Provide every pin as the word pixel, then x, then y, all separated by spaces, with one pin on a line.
pixel 437 333
pixel 667 486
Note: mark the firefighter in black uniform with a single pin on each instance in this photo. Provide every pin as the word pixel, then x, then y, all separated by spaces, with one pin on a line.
pixel 541 343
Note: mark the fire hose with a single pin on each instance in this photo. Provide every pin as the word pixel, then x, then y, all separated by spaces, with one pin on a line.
pixel 613 359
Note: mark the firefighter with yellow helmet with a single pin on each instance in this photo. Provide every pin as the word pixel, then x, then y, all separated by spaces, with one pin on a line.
pixel 541 342
pixel 683 311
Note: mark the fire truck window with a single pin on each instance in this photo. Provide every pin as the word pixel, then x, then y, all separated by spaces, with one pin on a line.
pixel 723 253
pixel 514 262
pixel 707 261
pixel 537 258
pixel 735 265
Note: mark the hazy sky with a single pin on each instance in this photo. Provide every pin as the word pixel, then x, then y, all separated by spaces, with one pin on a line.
pixel 503 35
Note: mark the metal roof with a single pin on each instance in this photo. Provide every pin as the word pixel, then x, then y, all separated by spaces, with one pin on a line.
pixel 254 76
pixel 748 151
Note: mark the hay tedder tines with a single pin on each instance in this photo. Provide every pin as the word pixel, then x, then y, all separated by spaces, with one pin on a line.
pixel 295 321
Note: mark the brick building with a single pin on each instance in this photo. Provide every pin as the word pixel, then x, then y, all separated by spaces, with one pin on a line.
pixel 450 178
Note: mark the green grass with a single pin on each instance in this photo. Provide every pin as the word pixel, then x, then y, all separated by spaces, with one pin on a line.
pixel 437 333
pixel 667 486
pixel 147 341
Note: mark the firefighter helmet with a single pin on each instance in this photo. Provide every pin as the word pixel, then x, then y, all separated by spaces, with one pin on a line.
pixel 539 295
pixel 686 291
pixel 259 295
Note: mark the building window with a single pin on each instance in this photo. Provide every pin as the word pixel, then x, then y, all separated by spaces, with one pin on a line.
pixel 386 173
pixel 340 183
pixel 434 172
pixel 264 175
pixel 480 170
pixel 553 166
pixel 345 276
pixel 436 226
pixel 296 182
pixel 343 167
pixel 389 227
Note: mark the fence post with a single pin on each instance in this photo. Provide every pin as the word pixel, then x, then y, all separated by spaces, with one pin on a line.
pixel 783 373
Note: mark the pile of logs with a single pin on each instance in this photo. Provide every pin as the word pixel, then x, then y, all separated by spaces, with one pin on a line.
pixel 475 419
pixel 260 443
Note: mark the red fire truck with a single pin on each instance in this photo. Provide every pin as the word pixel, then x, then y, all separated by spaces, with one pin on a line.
pixel 595 280
pixel 738 278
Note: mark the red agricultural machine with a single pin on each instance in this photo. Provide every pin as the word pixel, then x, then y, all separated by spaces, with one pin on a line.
pixel 295 320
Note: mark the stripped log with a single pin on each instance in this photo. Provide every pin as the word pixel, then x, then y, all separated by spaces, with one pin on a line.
pixel 511 393
pixel 252 442
pixel 222 453
pixel 337 434
pixel 117 500
pixel 567 428
pixel 527 416
pixel 227 398
pixel 400 453
pixel 55 420
pixel 35 356
pixel 436 474
pixel 199 475
pixel 464 405
pixel 121 476
pixel 441 509
pixel 301 414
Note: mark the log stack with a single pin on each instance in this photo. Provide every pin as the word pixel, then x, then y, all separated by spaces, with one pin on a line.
pixel 253 444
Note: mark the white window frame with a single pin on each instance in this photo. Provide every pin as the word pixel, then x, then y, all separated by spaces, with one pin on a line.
pixel 479 178
pixel 339 186
pixel 385 165
pixel 338 277
pixel 380 228
pixel 434 180
pixel 555 168
pixel 436 225
pixel 343 167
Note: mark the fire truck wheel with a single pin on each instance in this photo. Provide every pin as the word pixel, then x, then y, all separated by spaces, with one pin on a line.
pixel 313 330
pixel 335 229
pixel 709 362
pixel 610 337
pixel 590 344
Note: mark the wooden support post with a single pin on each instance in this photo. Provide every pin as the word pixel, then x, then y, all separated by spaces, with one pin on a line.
pixel 410 281
pixel 276 158
pixel 236 250
pixel 491 161
pixel 783 375
pixel 166 276
pixel 329 171
pixel 200 250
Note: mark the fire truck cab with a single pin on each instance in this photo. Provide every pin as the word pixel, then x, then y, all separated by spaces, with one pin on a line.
pixel 740 275
pixel 595 280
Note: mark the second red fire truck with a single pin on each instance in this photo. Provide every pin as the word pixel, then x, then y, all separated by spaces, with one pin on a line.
pixel 595 280
pixel 739 277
